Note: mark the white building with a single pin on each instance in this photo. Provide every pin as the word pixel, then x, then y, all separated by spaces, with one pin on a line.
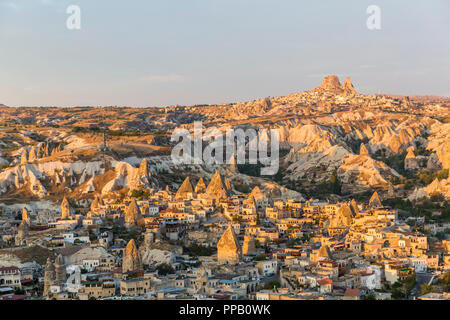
pixel 371 278
pixel 420 263
pixel 153 211
pixel 91 264
pixel 267 268
pixel 10 276
pixel 72 237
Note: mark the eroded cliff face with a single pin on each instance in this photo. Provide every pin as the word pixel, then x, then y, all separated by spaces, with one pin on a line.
pixel 327 129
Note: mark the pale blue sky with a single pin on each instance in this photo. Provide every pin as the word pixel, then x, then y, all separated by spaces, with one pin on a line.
pixel 155 53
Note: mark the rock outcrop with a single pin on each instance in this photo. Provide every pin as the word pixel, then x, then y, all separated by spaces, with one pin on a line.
pixel 433 163
pixel 332 84
pixel 342 218
pixel 375 201
pixel 216 188
pixel 411 162
pixel 227 185
pixel 49 276
pixel 155 257
pixel 132 260
pixel 185 189
pixel 228 248
pixel 144 171
pixel 362 170
pixel 437 187
pixel 325 253
pixel 127 176
pixel 354 207
pixel 200 187
pixel 321 128
pixel 132 214
pixel 248 248
pixel 60 269
pixel 22 233
pixel 348 86
pixel 96 203
pixel 363 150
pixel 66 210
pixel 434 188
pixel 26 216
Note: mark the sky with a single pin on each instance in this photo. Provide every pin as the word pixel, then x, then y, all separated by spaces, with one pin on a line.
pixel 148 53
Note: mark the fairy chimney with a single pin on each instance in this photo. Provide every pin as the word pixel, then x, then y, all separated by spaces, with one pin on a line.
pixel 228 248
pixel 132 260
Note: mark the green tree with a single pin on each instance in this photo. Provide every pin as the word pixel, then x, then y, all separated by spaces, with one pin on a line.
pixel 140 194
pixel 445 281
pixel 443 174
pixel 237 219
pixel 198 250
pixel 370 296
pixel 446 278
pixel 293 242
pixel 165 268
pixel 335 183
pixel 425 288
pixel 271 284
pixel 260 257
pixel 402 289
pixel 19 291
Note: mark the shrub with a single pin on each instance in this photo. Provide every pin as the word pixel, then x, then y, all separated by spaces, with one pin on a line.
pixel 164 269
pixel 443 174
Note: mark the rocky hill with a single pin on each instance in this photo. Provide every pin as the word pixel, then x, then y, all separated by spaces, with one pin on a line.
pixel 330 135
